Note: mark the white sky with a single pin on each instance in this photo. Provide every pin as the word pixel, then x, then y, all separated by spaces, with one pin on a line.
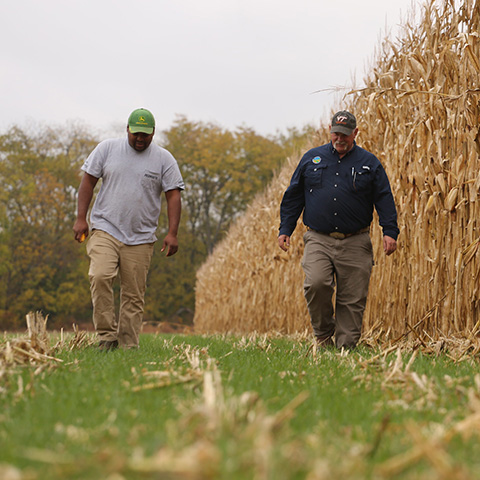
pixel 231 62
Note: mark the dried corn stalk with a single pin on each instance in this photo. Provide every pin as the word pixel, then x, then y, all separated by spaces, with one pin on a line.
pixel 419 112
pixel 33 349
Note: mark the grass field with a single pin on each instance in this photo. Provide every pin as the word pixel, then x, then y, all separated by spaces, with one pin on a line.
pixel 254 407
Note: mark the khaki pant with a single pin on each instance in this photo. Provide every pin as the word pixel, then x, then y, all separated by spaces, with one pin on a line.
pixel 340 269
pixel 110 258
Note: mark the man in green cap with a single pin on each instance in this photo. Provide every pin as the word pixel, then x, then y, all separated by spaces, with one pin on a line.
pixel 123 222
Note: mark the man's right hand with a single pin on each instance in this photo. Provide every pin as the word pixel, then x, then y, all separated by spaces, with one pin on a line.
pixel 85 194
pixel 80 230
pixel 284 242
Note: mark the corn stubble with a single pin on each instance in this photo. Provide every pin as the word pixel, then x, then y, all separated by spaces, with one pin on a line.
pixel 36 349
pixel 420 114
pixel 224 433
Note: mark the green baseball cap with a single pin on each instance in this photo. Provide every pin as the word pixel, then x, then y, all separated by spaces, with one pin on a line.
pixel 141 120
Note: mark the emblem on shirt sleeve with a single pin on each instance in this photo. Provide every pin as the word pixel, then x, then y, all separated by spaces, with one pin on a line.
pixel 316 160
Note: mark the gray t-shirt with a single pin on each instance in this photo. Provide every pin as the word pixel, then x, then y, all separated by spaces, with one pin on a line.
pixel 129 201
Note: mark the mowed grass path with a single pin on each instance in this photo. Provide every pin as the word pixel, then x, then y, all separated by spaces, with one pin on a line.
pixel 252 407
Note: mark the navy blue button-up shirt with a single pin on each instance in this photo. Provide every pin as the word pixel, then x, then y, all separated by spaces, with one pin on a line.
pixel 338 194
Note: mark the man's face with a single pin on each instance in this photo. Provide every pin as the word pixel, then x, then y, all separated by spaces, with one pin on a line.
pixel 139 141
pixel 341 142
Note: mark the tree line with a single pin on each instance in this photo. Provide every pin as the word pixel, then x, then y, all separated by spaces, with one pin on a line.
pixel 43 268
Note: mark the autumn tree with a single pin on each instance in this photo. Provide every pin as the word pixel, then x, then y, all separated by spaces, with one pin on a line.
pixel 43 268
pixel 223 170
pixel 39 262
pixel 171 280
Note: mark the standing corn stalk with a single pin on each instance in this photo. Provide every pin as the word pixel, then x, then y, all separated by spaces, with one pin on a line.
pixel 420 113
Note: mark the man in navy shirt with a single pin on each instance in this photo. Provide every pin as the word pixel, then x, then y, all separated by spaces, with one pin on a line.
pixel 337 186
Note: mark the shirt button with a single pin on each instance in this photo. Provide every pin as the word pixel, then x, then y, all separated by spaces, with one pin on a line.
pixel 337 173
pixel 336 185
pixel 336 228
pixel 335 213
pixel 334 199
pixel 311 190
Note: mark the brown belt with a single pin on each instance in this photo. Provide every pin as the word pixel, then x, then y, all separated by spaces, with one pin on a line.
pixel 340 236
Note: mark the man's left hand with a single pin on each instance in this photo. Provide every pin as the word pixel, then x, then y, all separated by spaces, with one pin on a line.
pixel 389 245
pixel 170 243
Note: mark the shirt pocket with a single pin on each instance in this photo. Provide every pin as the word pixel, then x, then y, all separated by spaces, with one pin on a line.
pixel 361 179
pixel 314 175
pixel 151 181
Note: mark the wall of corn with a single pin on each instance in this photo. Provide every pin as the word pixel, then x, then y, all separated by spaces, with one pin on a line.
pixel 420 114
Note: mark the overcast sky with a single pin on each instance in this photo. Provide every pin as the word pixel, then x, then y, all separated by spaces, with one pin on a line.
pixel 232 62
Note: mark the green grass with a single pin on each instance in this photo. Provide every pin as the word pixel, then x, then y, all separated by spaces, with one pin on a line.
pixel 240 408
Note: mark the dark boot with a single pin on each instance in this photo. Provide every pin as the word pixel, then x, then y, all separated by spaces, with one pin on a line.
pixel 106 345
pixel 324 342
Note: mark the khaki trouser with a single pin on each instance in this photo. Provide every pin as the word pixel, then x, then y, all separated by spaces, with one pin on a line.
pixel 340 267
pixel 110 258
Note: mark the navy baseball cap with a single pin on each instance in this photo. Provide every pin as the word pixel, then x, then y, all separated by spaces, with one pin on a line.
pixel 343 122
